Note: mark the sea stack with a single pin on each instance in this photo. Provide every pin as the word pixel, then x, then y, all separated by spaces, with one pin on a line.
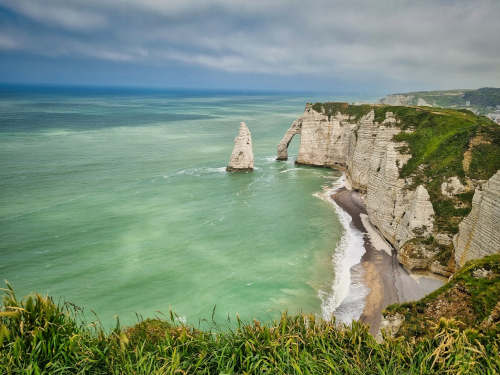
pixel 242 156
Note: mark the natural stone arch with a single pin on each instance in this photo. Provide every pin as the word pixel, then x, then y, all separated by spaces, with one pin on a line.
pixel 295 128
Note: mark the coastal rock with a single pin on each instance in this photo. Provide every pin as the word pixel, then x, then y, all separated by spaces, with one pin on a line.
pixel 398 99
pixel 390 325
pixel 452 187
pixel 443 239
pixel 242 155
pixel 405 99
pixel 415 256
pixel 366 151
pixel 285 141
pixel 479 232
pixel 439 269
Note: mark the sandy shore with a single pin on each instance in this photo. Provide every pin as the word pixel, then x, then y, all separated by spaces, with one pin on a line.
pixel 386 279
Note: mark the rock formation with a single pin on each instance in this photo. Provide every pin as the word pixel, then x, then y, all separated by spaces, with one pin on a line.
pixel 366 150
pixel 242 155
pixel 285 141
pixel 479 233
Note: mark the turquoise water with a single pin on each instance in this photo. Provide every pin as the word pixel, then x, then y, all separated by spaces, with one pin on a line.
pixel 119 202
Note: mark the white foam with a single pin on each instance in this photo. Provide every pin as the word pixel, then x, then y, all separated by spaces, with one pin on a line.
pixel 270 159
pixel 291 169
pixel 347 254
pixel 199 171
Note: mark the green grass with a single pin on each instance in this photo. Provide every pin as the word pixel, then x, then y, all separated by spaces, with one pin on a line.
pixel 38 336
pixel 479 296
pixel 486 157
pixel 332 108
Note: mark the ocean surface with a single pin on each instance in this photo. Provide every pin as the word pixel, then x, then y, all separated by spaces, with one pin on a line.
pixel 118 201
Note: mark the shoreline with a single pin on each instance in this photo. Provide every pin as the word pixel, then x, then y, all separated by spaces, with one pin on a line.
pixel 386 280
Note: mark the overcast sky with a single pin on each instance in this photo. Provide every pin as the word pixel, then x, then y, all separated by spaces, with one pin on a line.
pixel 257 44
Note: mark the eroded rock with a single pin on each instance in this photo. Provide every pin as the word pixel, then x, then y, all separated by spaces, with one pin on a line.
pixel 366 150
pixel 479 232
pixel 242 155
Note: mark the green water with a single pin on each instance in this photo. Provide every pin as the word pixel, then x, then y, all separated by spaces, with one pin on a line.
pixel 120 203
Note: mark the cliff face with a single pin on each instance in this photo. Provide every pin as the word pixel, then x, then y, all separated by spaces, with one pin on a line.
pixel 365 149
pixel 479 233
pixel 242 155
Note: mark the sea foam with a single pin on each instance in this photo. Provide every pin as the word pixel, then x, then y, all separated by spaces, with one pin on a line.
pixel 347 288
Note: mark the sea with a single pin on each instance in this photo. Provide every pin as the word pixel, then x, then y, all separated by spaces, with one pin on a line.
pixel 117 200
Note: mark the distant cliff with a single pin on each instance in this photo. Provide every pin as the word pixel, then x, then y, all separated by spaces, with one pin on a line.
pixel 417 167
pixel 485 101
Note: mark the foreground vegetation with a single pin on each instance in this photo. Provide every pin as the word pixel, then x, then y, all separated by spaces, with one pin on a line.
pixel 38 336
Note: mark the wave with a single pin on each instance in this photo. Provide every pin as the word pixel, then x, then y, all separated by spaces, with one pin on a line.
pixel 346 256
pixel 197 172
pixel 291 169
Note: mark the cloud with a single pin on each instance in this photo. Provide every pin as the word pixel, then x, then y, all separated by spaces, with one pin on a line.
pixel 7 43
pixel 57 14
pixel 436 43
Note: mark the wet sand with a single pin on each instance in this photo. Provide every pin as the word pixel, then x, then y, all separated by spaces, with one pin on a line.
pixel 383 275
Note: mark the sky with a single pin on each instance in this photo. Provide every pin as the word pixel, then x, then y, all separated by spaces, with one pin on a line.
pixel 335 45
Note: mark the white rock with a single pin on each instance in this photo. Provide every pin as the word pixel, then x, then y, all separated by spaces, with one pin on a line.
pixel 390 325
pixel 366 151
pixel 452 187
pixel 371 159
pixel 242 156
pixel 479 232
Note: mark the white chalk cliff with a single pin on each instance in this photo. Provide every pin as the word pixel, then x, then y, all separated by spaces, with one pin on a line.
pixel 370 157
pixel 479 233
pixel 242 155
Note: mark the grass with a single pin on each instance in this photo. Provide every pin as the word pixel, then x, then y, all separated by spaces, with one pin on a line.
pixel 332 108
pixel 467 298
pixel 486 157
pixel 38 336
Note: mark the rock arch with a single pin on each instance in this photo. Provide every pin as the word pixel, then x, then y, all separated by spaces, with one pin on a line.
pixel 295 128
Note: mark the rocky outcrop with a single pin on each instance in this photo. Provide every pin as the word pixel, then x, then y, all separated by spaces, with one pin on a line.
pixel 398 99
pixel 479 232
pixel 285 141
pixel 453 186
pixel 242 156
pixel 389 326
pixel 366 151
pixel 402 211
pixel 405 99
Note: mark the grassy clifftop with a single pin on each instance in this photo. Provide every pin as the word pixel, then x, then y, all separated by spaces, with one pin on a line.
pixel 38 336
